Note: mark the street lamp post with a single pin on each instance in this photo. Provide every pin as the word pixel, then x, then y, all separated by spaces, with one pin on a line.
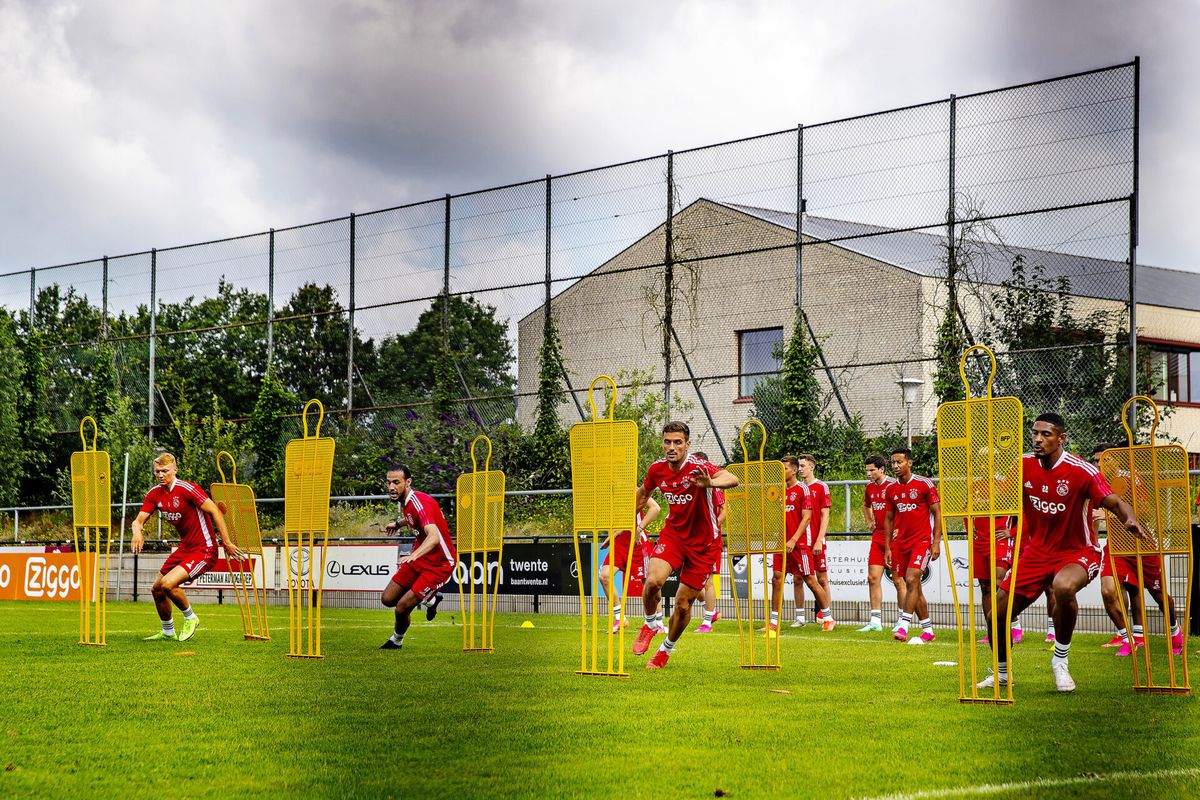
pixel 909 387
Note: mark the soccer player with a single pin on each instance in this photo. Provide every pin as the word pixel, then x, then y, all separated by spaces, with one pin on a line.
pixel 985 572
pixel 874 511
pixel 818 528
pixel 913 536
pixel 1058 548
pixel 432 560
pixel 711 614
pixel 798 560
pixel 685 543
pixel 618 557
pixel 193 513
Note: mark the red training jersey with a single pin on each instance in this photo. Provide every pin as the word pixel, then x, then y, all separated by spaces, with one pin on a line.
pixel 913 519
pixel 796 500
pixel 877 501
pixel 692 514
pixel 420 510
pixel 179 504
pixel 1057 500
pixel 818 495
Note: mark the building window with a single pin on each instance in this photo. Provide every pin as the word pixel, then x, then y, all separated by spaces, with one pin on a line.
pixel 758 357
pixel 1175 373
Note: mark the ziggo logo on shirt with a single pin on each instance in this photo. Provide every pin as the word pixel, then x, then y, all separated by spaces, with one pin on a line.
pixel 677 499
pixel 902 507
pixel 1047 508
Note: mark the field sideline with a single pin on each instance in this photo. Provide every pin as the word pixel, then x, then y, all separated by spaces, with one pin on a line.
pixel 858 716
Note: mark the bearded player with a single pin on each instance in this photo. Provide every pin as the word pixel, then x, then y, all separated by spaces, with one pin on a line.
pixel 1059 549
pixel 430 564
pixel 913 537
pixel 874 511
pixel 193 513
pixel 686 542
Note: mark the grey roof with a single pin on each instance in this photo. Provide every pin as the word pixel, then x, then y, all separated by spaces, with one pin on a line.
pixel 923 253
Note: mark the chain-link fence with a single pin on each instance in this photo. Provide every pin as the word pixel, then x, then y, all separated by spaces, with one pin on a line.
pixel 1005 217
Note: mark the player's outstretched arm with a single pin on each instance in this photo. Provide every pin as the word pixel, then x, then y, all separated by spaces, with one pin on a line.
pixel 721 479
pixel 231 549
pixel 889 530
pixel 138 541
pixel 1124 513
pixel 649 513
pixel 433 538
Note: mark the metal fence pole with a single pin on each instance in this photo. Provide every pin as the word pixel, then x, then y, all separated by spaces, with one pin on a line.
pixel 270 300
pixel 153 335
pixel 547 320
pixel 104 298
pixel 350 336
pixel 799 223
pixel 16 524
pixel 446 282
pixel 847 528
pixel 668 283
pixel 32 299
pixel 1133 231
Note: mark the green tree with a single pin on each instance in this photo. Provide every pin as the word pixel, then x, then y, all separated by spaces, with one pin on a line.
pixel 311 340
pixel 266 435
pixel 37 447
pixel 789 405
pixel 549 461
pixel 11 451
pixel 411 365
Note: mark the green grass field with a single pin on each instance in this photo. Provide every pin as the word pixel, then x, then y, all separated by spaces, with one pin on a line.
pixel 858 716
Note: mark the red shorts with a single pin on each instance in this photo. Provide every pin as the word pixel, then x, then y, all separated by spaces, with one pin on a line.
pixel 618 557
pixel 798 562
pixel 422 578
pixel 1036 569
pixel 693 563
pixel 983 558
pixel 876 559
pixel 196 562
pixel 819 563
pixel 910 554
pixel 1127 570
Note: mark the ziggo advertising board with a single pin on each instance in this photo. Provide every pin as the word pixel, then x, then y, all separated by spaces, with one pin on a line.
pixel 38 576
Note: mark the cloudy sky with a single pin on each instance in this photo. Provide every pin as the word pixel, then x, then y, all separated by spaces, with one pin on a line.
pixel 133 124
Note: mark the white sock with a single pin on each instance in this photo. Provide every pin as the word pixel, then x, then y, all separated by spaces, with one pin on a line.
pixel 799 615
pixel 1002 671
pixel 667 646
pixel 650 620
pixel 617 611
pixel 1123 633
pixel 1176 630
pixel 826 613
pixel 774 616
pixel 905 621
pixel 1138 632
pixel 927 625
pixel 1060 653
pixel 1016 626
pixel 708 616
pixel 398 638
pixel 188 613
pixel 877 615
pixel 1050 625
pixel 169 627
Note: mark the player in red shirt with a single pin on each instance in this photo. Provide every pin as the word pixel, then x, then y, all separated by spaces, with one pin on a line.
pixel 818 528
pixel 1058 547
pixel 618 557
pixel 985 572
pixel 798 560
pixel 1126 580
pixel 875 511
pixel 432 560
pixel 686 543
pixel 913 537
pixel 193 513
pixel 711 614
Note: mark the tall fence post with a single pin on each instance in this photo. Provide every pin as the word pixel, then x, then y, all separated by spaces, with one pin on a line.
pixel 153 335
pixel 270 300
pixel 1133 231
pixel 668 283
pixel 799 223
pixel 547 320
pixel 32 299
pixel 446 282
pixel 951 215
pixel 104 298
pixel 350 337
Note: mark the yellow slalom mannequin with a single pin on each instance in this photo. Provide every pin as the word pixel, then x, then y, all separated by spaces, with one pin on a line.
pixel 91 505
pixel 237 503
pixel 308 475
pixel 479 530
pixel 756 529
pixel 604 461
pixel 979 466
pixel 1153 480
